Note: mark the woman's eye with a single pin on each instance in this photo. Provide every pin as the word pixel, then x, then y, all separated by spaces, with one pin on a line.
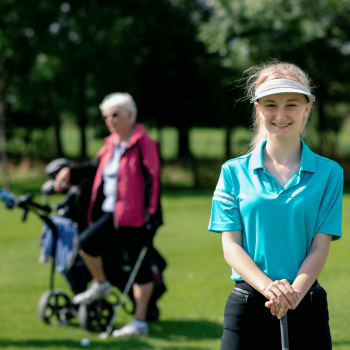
pixel 271 106
pixel 291 106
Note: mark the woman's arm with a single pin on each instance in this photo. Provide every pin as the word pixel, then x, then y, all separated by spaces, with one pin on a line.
pixel 313 264
pixel 240 261
pixel 151 161
pixel 310 268
pixel 75 174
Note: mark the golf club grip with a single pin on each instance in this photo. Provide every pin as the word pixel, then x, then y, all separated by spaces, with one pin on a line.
pixel 284 332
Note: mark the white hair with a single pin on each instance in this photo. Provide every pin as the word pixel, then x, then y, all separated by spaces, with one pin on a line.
pixel 121 99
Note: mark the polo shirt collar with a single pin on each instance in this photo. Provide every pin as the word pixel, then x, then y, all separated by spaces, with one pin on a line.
pixel 308 161
pixel 256 159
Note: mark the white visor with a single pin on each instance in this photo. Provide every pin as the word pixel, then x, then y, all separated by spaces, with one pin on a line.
pixel 279 86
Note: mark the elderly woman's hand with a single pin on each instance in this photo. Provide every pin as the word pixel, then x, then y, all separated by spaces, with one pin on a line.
pixel 282 297
pixel 62 179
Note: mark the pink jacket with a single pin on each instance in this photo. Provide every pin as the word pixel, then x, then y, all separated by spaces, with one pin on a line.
pixel 130 207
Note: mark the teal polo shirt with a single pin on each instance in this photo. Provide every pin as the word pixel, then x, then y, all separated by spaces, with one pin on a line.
pixel 278 223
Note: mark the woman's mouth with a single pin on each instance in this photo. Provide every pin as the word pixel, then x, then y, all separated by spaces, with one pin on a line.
pixel 281 125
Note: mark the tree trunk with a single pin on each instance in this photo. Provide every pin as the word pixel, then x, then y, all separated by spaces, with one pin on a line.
pixel 184 143
pixel 58 141
pixel 5 77
pixel 160 142
pixel 81 114
pixel 5 174
pixel 228 143
pixel 57 128
pixel 322 143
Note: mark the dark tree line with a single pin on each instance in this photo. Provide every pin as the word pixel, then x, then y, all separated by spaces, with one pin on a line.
pixel 63 58
pixel 176 57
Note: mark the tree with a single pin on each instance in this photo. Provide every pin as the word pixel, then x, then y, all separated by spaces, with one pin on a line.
pixel 312 34
pixel 14 45
pixel 75 53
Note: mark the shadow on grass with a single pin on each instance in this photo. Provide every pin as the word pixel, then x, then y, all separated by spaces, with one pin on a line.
pixel 340 342
pixel 174 331
pixel 71 344
pixel 125 344
pixel 185 330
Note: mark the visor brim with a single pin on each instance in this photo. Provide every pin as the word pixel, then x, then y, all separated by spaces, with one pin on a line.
pixel 281 91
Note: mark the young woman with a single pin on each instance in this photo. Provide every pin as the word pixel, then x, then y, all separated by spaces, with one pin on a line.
pixel 277 208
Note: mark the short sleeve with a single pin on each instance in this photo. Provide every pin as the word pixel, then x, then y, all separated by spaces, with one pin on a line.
pixel 225 215
pixel 330 213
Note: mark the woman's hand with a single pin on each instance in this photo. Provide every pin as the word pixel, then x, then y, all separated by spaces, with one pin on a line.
pixel 62 179
pixel 276 310
pixel 282 297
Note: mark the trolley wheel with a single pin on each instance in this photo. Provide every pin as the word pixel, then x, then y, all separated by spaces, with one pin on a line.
pixel 55 308
pixel 95 317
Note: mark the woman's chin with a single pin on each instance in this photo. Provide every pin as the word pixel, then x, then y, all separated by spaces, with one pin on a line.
pixel 284 135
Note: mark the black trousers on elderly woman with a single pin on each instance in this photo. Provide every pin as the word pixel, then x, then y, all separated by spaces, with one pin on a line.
pixel 102 238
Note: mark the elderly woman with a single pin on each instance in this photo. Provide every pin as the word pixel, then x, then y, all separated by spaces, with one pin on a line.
pixel 124 206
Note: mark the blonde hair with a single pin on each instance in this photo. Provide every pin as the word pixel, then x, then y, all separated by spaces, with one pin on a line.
pixel 121 99
pixel 257 75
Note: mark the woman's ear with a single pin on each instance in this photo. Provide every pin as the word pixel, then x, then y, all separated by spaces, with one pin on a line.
pixel 308 108
pixel 129 116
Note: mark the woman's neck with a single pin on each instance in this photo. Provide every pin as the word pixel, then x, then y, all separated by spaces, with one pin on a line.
pixel 283 151
pixel 125 135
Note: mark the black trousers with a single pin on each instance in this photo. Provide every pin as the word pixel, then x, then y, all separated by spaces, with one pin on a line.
pixel 103 239
pixel 250 325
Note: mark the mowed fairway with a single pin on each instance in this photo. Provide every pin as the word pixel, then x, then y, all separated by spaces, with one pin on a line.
pixel 197 278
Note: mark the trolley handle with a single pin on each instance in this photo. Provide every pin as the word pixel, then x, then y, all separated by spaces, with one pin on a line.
pixel 9 198
pixel 25 202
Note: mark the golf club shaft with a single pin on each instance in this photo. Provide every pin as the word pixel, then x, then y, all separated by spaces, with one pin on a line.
pixel 126 289
pixel 284 332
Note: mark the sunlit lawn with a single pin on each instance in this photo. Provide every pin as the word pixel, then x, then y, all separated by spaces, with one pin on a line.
pixel 197 278
pixel 204 142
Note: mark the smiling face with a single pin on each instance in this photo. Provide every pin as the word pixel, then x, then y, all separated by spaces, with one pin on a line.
pixel 283 115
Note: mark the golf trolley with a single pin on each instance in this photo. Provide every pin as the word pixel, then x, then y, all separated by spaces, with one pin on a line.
pixel 55 306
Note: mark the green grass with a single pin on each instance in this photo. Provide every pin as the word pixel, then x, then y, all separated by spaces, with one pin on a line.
pixel 197 278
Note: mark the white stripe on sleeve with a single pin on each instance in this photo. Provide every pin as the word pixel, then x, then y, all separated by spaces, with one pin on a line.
pixel 223 194
pixel 222 200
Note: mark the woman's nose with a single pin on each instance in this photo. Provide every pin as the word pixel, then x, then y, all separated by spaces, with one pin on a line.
pixel 280 114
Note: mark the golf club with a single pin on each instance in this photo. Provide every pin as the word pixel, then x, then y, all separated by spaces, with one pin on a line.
pixel 284 332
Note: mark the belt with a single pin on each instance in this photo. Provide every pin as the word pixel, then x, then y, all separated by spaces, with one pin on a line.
pixel 315 287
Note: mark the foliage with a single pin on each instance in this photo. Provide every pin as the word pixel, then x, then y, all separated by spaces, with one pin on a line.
pixel 76 53
pixel 176 57
pixel 312 34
